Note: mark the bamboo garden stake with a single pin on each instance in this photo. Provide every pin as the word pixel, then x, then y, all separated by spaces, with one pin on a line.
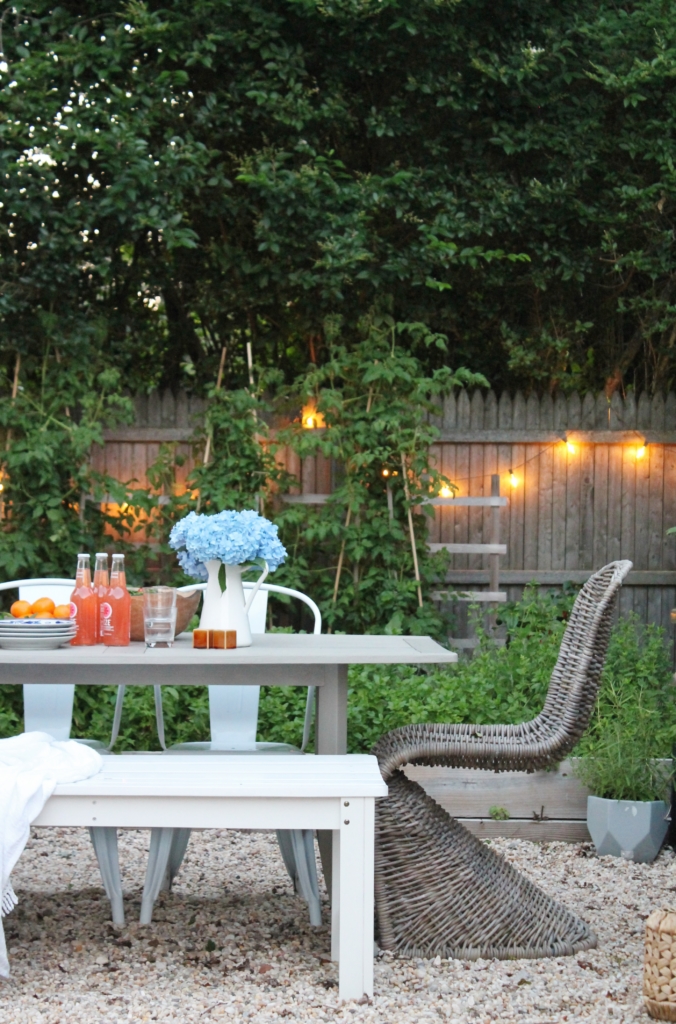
pixel 219 381
pixel 411 531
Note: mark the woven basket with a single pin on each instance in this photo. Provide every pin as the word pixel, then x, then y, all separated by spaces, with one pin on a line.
pixel 659 971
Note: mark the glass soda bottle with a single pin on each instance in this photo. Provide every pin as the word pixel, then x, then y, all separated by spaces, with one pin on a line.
pixel 115 608
pixel 101 585
pixel 83 605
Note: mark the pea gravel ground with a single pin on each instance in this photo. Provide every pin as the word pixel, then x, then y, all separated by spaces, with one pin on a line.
pixel 231 942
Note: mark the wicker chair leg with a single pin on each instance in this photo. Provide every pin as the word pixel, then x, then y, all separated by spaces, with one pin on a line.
pixel 442 892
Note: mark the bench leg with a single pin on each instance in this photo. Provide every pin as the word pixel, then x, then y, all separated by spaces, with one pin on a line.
pixel 104 841
pixel 352 903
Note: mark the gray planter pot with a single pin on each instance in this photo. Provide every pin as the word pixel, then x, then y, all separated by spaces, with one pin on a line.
pixel 634 829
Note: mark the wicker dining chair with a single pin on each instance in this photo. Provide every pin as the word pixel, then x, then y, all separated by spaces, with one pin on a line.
pixel 439 890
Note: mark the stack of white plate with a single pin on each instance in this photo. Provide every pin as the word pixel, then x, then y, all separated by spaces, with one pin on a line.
pixel 35 634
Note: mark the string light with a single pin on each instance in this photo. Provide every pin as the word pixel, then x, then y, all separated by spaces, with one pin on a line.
pixel 514 481
pixel 311 419
pixel 385 471
pixel 445 492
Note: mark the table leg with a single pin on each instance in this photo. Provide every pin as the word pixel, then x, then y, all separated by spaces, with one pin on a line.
pixel 331 738
pixel 331 728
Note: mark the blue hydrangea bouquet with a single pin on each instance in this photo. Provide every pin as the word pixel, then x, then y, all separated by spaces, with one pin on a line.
pixel 231 537
pixel 234 540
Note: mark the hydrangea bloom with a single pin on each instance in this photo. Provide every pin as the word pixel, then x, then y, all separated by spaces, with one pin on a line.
pixel 232 537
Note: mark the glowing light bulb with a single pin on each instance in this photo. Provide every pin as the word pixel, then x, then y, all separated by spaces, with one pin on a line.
pixel 310 418
pixel 640 452
pixel 385 471
pixel 571 447
pixel 445 492
pixel 513 479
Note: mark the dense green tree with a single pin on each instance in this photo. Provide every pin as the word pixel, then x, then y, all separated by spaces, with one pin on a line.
pixel 182 175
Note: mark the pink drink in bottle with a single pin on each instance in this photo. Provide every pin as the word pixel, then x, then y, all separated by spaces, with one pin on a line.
pixel 101 585
pixel 115 608
pixel 83 605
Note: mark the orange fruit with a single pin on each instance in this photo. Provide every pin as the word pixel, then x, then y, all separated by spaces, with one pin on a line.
pixel 43 604
pixel 42 615
pixel 20 609
pixel 62 611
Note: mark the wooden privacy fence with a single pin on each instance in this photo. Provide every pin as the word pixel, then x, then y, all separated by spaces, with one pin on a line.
pixel 582 496
pixel 160 418
pixel 593 481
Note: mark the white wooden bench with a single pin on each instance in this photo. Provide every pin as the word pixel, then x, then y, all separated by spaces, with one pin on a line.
pixel 335 792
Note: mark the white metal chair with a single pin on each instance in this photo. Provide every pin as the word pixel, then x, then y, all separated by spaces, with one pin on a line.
pixel 49 708
pixel 233 715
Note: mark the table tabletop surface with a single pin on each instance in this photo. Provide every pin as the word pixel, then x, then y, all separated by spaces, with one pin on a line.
pixel 232 775
pixel 266 649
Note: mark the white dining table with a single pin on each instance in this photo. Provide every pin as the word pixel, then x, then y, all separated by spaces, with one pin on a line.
pixel 273 659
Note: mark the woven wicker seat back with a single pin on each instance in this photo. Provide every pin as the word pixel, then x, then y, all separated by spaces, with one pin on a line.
pixel 439 890
pixel 545 740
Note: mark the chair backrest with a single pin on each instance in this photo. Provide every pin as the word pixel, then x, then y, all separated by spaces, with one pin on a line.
pixel 233 710
pixel 576 677
pixel 56 587
pixel 46 707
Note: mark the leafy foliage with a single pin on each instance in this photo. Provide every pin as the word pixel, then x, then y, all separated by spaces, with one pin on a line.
pixel 243 472
pixel 187 176
pixel 355 553
pixel 634 720
pixel 50 424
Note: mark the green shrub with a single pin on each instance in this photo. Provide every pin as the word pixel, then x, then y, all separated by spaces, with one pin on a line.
pixel 633 723
pixel 506 684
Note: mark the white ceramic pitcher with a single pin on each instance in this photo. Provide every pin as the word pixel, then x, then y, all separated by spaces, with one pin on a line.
pixel 227 609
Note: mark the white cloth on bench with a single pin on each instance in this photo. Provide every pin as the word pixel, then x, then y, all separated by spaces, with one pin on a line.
pixel 31 766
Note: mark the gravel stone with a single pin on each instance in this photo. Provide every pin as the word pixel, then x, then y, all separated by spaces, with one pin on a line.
pixel 232 942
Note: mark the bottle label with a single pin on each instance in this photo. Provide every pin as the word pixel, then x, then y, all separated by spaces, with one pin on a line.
pixel 72 611
pixel 106 617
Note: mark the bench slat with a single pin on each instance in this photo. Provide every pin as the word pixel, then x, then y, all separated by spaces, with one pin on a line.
pixel 227 775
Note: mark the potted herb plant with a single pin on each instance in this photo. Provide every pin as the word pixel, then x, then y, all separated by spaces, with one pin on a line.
pixel 627 816
pixel 625 756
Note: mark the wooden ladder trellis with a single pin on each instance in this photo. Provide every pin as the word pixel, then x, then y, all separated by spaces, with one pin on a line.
pixel 494 549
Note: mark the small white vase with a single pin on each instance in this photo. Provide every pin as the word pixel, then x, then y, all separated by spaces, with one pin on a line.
pixel 227 609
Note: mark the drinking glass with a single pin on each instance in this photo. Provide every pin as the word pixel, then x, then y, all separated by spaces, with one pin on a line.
pixel 159 615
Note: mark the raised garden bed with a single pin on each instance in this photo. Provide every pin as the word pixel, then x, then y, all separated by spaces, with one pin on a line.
pixel 544 806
